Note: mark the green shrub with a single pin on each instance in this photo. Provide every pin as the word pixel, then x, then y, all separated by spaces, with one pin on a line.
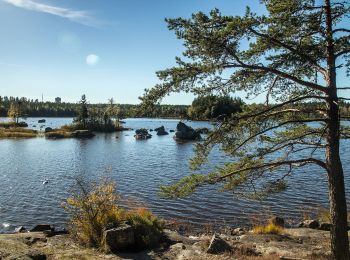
pixel 148 228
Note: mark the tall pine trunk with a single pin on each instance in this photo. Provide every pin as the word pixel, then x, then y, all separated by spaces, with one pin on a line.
pixel 337 199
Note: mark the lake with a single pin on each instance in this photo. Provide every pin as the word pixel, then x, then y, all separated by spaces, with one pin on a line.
pixel 138 167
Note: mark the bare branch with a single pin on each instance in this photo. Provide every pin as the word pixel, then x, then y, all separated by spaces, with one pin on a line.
pixel 341 30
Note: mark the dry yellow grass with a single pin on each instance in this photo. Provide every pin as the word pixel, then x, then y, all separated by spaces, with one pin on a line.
pixel 17 132
pixel 268 229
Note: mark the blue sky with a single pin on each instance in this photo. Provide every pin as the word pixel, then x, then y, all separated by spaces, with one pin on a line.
pixel 108 48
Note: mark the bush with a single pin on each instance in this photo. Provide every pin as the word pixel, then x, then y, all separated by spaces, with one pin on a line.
pixel 268 229
pixel 148 228
pixel 93 208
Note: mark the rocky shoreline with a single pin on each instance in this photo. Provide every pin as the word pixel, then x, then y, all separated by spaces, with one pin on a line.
pixel 308 242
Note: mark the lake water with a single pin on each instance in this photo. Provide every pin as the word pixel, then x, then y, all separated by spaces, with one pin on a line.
pixel 138 167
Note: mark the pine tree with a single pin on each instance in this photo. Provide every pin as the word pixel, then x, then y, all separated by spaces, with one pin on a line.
pixel 292 56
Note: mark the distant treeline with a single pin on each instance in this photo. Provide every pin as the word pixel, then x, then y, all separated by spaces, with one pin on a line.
pixel 209 107
pixel 35 108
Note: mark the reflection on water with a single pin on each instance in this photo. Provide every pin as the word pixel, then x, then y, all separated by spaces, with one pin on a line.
pixel 138 167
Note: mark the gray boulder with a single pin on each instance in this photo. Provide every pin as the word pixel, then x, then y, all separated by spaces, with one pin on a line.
pixel 184 132
pixel 82 134
pixel 118 239
pixel 161 131
pixel 217 245
pixel 40 121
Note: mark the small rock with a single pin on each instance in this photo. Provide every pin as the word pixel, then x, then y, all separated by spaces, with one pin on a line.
pixel 41 228
pixel 142 134
pixel 217 245
pixel 310 223
pixel 237 231
pixel 161 131
pixel 118 239
pixel 20 229
pixel 277 221
pixel 171 131
pixel 40 121
pixel 48 129
pixel 325 226
pixel 22 124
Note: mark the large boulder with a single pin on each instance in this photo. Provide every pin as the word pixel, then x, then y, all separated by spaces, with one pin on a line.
pixel 118 239
pixel 141 134
pixel 185 132
pixel 82 134
pixel 218 246
pixel 161 131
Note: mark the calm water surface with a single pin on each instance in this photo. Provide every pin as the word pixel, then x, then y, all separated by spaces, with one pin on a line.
pixel 138 167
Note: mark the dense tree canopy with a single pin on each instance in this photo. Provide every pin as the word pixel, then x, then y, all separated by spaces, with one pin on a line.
pixel 291 56
pixel 214 107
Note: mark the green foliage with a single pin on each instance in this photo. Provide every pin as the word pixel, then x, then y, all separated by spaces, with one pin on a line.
pixel 15 111
pixel 148 228
pixel 280 55
pixel 210 107
pixel 34 108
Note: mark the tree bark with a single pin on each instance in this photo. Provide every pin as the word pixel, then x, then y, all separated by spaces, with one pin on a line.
pixel 337 199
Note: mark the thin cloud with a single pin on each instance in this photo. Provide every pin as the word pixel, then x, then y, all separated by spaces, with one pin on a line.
pixel 73 15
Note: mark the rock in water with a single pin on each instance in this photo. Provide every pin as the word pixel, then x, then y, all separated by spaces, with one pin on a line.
pixel 142 134
pixel 161 131
pixel 118 239
pixel 218 245
pixel 22 124
pixel 48 129
pixel 184 132
pixel 40 121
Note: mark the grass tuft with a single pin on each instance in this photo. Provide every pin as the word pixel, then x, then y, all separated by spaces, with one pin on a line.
pixel 268 229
